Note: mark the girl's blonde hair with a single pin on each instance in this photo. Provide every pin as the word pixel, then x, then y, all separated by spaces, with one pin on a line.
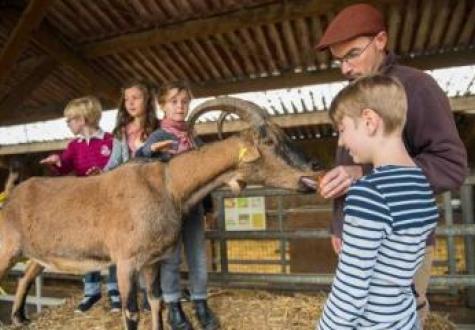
pixel 89 107
pixel 162 94
pixel 151 122
pixel 383 94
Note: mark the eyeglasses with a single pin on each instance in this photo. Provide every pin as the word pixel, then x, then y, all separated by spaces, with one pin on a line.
pixel 351 56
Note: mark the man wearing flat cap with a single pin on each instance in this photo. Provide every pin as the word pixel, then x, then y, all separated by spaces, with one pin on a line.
pixel 357 39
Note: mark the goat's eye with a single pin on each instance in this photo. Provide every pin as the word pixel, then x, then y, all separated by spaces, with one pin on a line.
pixel 268 142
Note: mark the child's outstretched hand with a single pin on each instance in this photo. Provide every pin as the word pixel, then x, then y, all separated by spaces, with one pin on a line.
pixel 51 160
pixel 93 171
pixel 166 145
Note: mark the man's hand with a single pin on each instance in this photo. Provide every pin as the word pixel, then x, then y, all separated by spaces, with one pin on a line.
pixel 166 145
pixel 336 244
pixel 51 160
pixel 336 182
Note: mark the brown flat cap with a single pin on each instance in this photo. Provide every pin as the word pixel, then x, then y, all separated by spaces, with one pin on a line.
pixel 353 21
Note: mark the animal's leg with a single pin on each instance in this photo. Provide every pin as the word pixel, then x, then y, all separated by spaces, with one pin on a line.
pixel 152 281
pixel 127 280
pixel 33 269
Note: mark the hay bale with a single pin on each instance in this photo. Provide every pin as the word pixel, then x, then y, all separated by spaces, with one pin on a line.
pixel 236 309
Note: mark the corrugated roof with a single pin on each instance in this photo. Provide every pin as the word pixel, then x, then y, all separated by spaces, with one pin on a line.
pixel 456 82
pixel 218 46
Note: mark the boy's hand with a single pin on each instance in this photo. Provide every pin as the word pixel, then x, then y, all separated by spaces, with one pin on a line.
pixel 336 244
pixel 93 171
pixel 51 160
pixel 166 145
pixel 336 182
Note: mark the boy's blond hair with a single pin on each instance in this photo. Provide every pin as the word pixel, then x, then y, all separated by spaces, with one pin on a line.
pixel 383 94
pixel 88 107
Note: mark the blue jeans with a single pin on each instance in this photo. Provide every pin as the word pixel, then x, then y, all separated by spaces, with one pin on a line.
pixel 92 282
pixel 193 239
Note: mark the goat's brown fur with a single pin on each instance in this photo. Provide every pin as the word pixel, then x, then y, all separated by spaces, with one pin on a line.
pixel 129 216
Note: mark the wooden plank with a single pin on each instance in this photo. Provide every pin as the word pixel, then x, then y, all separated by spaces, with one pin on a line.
pixel 194 60
pixel 289 38
pixel 252 50
pixel 221 65
pixel 456 22
pixel 305 119
pixel 307 50
pixel 468 28
pixel 237 70
pixel 247 17
pixel 45 39
pixel 264 49
pixel 235 46
pixel 316 32
pixel 276 40
pixel 425 25
pixel 394 27
pixel 291 79
pixel 440 23
pixel 196 46
pixel 179 57
pixel 17 95
pixel 19 37
pixel 409 25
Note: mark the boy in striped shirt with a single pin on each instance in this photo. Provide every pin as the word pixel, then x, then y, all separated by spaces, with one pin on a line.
pixel 388 213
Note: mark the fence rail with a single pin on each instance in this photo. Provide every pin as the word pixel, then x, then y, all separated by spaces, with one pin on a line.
pixel 221 237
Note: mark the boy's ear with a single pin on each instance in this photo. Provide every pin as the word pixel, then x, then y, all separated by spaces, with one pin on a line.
pixel 371 120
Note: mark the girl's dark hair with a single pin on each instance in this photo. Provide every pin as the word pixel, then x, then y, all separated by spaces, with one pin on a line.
pixel 151 122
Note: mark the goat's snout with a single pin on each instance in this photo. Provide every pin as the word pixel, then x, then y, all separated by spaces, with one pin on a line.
pixel 315 165
pixel 307 184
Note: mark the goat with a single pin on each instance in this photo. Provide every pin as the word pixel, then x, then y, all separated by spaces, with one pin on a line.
pixel 132 215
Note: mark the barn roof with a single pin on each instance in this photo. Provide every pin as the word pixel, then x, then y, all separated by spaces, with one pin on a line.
pixel 53 51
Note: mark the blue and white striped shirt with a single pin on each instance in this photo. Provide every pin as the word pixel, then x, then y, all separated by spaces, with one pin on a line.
pixel 388 216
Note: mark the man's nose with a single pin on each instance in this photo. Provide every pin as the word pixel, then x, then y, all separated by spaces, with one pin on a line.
pixel 346 68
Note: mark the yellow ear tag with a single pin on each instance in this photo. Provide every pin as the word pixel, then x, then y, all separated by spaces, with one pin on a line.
pixel 242 153
pixel 3 197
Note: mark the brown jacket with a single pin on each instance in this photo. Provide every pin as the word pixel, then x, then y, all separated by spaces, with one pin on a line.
pixel 430 135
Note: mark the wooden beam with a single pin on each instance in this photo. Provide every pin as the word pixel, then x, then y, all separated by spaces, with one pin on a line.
pixel 202 28
pixel 307 119
pixel 28 148
pixel 18 40
pixel 286 121
pixel 9 107
pixel 464 104
pixel 45 38
pixel 288 80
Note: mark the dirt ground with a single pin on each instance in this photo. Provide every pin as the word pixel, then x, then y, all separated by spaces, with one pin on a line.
pixel 236 309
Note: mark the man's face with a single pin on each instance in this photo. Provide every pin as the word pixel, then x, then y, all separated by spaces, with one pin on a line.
pixel 360 56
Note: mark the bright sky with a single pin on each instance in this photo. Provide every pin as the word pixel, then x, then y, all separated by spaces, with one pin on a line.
pixel 458 81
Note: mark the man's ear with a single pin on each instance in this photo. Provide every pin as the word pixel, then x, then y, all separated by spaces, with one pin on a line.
pixel 381 40
pixel 371 120
pixel 248 153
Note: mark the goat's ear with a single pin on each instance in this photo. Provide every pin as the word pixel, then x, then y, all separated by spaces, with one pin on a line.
pixel 236 184
pixel 248 154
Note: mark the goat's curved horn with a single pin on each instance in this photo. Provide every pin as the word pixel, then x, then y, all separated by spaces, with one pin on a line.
pixel 247 111
pixel 220 123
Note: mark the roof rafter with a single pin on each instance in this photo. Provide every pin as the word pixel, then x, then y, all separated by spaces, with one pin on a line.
pixel 201 28
pixel 18 40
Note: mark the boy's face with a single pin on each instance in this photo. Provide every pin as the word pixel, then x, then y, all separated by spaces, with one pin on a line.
pixel 176 105
pixel 76 124
pixel 353 136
